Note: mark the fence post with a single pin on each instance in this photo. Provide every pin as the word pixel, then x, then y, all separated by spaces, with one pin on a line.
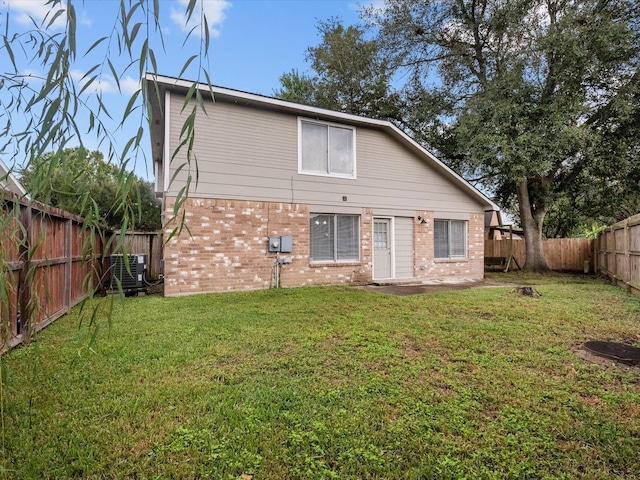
pixel 68 265
pixel 627 252
pixel 614 267
pixel 26 276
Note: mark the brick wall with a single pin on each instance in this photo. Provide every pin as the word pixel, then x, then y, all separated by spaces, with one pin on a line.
pixel 223 247
pixel 427 267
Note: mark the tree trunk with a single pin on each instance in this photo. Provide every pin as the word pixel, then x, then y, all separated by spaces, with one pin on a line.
pixel 532 226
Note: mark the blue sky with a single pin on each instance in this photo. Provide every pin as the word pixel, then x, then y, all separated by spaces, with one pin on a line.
pixel 253 42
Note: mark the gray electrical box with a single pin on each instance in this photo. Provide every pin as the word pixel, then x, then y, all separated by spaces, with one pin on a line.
pixel 282 244
pixel 274 244
pixel 286 244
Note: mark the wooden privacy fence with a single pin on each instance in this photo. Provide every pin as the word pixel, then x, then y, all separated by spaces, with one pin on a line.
pixel 47 266
pixel 561 254
pixel 50 260
pixel 619 254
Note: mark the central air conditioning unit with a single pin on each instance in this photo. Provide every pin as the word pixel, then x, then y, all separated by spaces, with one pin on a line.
pixel 129 276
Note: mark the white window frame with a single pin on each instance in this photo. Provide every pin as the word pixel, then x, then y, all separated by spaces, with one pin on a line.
pixel 301 171
pixel 449 249
pixel 334 219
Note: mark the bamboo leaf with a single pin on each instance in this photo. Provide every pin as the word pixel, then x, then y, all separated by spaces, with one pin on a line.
pixel 177 172
pixel 95 44
pixel 143 57
pixel 126 148
pixel 206 35
pixel 200 101
pixel 189 124
pixel 88 83
pixel 129 106
pixel 90 71
pixel 132 11
pixel 134 31
pixel 152 59
pixel 54 17
pixel 102 106
pixel 156 11
pixel 186 64
pixel 188 96
pixel 209 85
pixel 71 28
pixel 188 35
pixel 191 7
pixel 114 73
pixel 10 51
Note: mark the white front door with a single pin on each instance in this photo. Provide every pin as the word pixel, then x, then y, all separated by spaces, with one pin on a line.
pixel 381 248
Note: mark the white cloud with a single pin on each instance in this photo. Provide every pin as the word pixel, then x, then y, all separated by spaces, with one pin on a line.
pixel 129 85
pixel 27 11
pixel 213 9
pixel 85 20
pixel 106 84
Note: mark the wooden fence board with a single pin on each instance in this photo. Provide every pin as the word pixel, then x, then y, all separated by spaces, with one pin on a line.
pixel 66 257
pixel 561 254
pixel 619 253
pixel 39 258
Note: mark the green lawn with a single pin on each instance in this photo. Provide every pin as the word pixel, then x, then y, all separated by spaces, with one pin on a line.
pixel 331 383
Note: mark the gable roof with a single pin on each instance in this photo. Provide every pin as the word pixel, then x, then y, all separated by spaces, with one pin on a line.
pixel 9 182
pixel 158 84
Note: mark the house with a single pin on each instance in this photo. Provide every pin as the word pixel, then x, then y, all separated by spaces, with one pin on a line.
pixel 290 195
pixel 9 182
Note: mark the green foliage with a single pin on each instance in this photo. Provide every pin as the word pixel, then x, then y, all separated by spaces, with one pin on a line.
pixel 297 87
pixel 350 75
pixel 518 83
pixel 83 183
pixel 332 383
pixel 49 102
pixel 46 114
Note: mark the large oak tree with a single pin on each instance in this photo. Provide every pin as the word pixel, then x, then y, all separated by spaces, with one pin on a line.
pixel 507 88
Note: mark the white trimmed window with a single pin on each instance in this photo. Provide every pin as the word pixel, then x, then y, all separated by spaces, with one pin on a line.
pixel 326 149
pixel 335 238
pixel 450 238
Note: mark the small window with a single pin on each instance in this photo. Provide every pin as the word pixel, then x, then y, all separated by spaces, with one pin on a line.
pixel 450 238
pixel 335 238
pixel 327 149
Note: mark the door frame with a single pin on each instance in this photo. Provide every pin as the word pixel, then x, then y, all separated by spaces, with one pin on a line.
pixel 392 246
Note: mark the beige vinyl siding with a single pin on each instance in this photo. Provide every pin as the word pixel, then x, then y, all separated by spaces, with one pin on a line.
pixel 248 153
pixel 404 247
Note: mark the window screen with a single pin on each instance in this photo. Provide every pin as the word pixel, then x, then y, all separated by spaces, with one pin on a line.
pixel 327 149
pixel 314 145
pixel 335 238
pixel 450 239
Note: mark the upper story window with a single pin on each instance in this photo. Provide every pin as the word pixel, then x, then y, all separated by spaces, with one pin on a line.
pixel 326 149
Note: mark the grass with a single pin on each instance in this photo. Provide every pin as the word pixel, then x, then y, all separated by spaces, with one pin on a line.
pixel 331 383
